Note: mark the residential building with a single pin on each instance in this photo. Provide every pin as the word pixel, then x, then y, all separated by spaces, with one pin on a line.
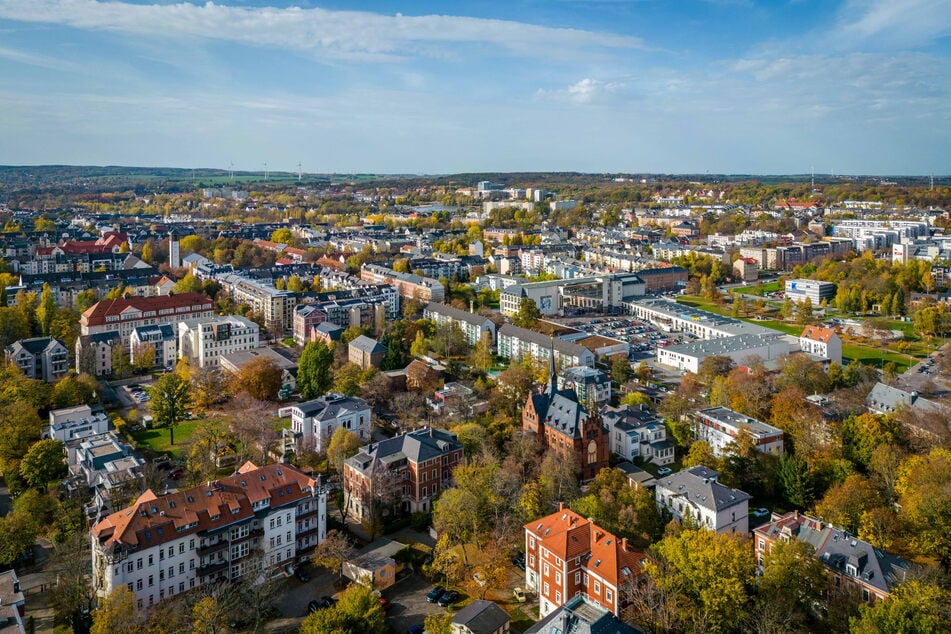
pixel 636 432
pixel 849 561
pixel 887 399
pixel 102 464
pixel 590 385
pixel 562 425
pixel 472 325
pixel 159 341
pixel 480 617
pixel 567 555
pixel 94 352
pixel 163 546
pixel 519 343
pixel 581 615
pixel 124 315
pixel 204 341
pixel 816 291
pixel 409 286
pixel 306 318
pixel 42 358
pixel 821 342
pixel 81 421
pixel 315 421
pixel 366 352
pixel 12 604
pixel 327 333
pixel 747 269
pixel 697 493
pixel 275 306
pixel 413 468
pixel 580 294
pixel 721 426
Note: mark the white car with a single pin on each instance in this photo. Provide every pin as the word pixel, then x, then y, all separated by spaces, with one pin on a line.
pixel 664 471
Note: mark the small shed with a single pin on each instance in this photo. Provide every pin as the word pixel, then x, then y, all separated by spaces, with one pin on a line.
pixel 375 566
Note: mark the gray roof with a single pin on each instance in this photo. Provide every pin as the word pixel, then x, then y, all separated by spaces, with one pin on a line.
pixel 377 554
pixel 564 347
pixel 481 617
pixel 36 345
pixel 457 314
pixel 367 345
pixel 560 410
pixel 415 446
pixel 738 420
pixel 699 486
pixel 885 398
pixel 579 616
pixel 331 406
pixel 838 549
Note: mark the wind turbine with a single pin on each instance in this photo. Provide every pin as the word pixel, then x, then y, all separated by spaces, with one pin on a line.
pixel 265 171
pixel 299 172
pixel 231 171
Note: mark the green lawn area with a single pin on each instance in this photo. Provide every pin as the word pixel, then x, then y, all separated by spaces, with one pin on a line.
pixel 760 289
pixel 875 356
pixel 159 441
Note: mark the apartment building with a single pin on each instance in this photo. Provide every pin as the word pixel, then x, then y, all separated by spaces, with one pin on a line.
pixel 416 466
pixel 315 421
pixel 567 555
pixel 721 426
pixel 711 505
pixel 636 432
pixel 158 340
pixel 162 546
pixel 821 342
pixel 124 315
pixel 275 306
pixel 204 341
pixel 409 286
pixel 591 386
pixel 519 343
pixel 93 353
pixel 366 352
pixel 42 358
pixel 849 561
pixel 69 423
pixel 472 325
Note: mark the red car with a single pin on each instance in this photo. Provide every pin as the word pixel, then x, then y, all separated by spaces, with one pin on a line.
pixel 175 474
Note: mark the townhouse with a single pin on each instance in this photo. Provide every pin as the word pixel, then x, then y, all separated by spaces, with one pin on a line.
pixel 567 556
pixel 696 492
pixel 266 518
pixel 821 342
pixel 636 432
pixel 315 421
pixel 42 358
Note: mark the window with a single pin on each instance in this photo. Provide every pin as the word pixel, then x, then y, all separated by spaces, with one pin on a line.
pixel 130 587
pixel 546 587
pixel 558 598
pixel 138 564
pixel 577 577
pixel 151 581
pixel 597 587
pixel 171 571
pixel 558 578
pixel 150 560
pixel 138 584
pixel 865 595
pixel 129 567
pixel 546 569
pixel 181 568
pixel 762 544
pixel 608 595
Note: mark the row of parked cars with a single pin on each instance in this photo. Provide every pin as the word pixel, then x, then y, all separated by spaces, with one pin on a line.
pixel 442 597
pixel 138 393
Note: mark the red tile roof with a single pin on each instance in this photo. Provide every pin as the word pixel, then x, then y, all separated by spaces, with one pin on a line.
pixel 818 333
pixel 96 314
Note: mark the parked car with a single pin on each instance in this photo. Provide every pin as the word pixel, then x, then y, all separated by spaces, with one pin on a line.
pixel 448 598
pixel 416 629
pixel 519 595
pixel 302 575
pixel 760 512
pixel 519 561
pixel 664 471
pixel 321 604
pixel 435 594
pixel 175 474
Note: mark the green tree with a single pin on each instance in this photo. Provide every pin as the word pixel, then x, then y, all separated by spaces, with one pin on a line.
pixel 925 501
pixel 343 444
pixel 19 429
pixel 914 607
pixel 17 534
pixel 528 313
pixel 44 463
pixel 314 375
pixel 46 310
pixel 621 370
pixel 796 481
pixel 481 356
pixel 358 611
pixel 420 346
pixel 283 236
pixel 790 589
pixel 117 614
pixel 85 299
pixel 188 284
pixel 786 310
pixel 636 399
pixel 171 397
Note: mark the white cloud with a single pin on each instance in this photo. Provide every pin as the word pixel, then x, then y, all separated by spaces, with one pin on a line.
pixel 326 33
pixel 902 23
pixel 585 91
pixel 35 59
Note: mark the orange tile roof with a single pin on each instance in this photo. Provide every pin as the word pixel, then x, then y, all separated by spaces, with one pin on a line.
pixel 152 520
pixel 97 313
pixel 818 333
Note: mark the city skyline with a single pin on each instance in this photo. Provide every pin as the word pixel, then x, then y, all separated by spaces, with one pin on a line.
pixel 725 86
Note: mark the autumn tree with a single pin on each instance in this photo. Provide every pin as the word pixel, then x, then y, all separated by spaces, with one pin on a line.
pixel 44 463
pixel 343 444
pixel 925 501
pixel 46 310
pixel 844 503
pixel 334 551
pixel 171 397
pixel 358 611
pixel 916 606
pixel 790 589
pixel 528 313
pixel 117 613
pixel 260 378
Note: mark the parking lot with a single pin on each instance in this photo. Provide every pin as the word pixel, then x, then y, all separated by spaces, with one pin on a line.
pixel 643 337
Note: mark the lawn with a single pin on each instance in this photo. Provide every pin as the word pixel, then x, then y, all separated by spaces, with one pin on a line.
pixel 760 289
pixel 158 439
pixel 875 356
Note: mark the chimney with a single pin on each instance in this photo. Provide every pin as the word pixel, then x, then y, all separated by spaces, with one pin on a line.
pixel 624 544
pixel 561 506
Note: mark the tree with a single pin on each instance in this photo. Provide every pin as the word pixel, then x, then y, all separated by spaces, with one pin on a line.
pixel 786 310
pixel 844 504
pixel 914 607
pixel 796 481
pixel 282 236
pixel 261 378
pixel 71 565
pixel 622 509
pixel 804 311
pixel 438 624
pixel 715 366
pixel 636 399
pixel 208 617
pixel 791 587
pixel 528 313
pixel 171 396
pixel 701 453
pixel 621 370
pixel 314 375
pixel 117 614
pixel 420 346
pixel 19 428
pixel 334 551
pixel 457 515
pixel 46 310
pixel 343 444
pixel 558 477
pixel 481 356
pixel 925 502
pixel 147 255
pixel 710 573
pixel 188 284
pixel 862 434
pixel 44 463
pixel 358 611
pixel 85 299
pixel 472 437
pixel 208 386
pixel 347 379
pixel 17 534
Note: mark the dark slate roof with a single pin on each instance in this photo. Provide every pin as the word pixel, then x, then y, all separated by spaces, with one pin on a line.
pixel 330 329
pixel 456 314
pixel 699 485
pixel 481 617
pixel 331 406
pixel 560 410
pixel 101 337
pixel 415 446
pixel 37 345
pixel 581 617
pixel 838 549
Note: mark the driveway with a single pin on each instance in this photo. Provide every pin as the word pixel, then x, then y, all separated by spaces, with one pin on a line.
pixel 296 595
pixel 408 604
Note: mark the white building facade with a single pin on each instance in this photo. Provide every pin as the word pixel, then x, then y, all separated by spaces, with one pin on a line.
pixel 204 341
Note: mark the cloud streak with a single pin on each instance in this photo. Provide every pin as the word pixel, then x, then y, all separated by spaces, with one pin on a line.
pixel 357 35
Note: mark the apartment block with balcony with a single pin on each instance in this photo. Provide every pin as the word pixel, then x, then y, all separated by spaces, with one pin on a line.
pixel 260 520
pixel 124 315
pixel 203 342
pixel 42 358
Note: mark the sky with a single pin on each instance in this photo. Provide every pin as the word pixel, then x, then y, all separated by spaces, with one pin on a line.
pixel 438 87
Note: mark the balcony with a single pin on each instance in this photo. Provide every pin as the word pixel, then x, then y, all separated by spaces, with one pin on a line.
pixel 305 515
pixel 213 548
pixel 258 532
pixel 210 569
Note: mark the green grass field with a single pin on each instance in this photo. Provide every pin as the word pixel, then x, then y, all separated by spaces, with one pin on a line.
pixel 760 289
pixel 158 439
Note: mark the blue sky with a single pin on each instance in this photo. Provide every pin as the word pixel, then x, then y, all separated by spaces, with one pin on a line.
pixel 720 86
